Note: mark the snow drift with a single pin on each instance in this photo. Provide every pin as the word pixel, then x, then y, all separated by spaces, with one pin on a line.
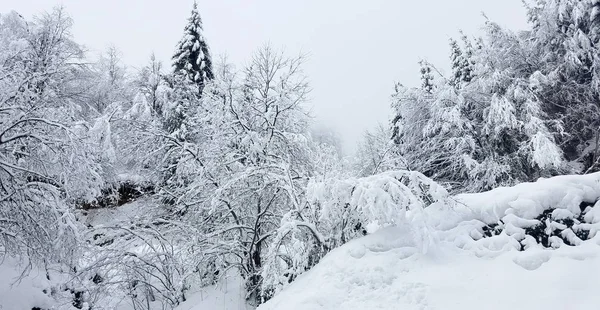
pixel 531 246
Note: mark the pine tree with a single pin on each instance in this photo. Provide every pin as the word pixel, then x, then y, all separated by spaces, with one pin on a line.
pixel 461 62
pixel 456 62
pixel 468 63
pixel 426 76
pixel 192 57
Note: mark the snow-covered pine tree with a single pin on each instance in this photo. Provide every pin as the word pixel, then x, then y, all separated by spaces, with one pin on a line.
pixel 192 56
pixel 479 131
pixel 461 61
pixel 457 63
pixel 468 61
pixel 564 44
pixel 426 76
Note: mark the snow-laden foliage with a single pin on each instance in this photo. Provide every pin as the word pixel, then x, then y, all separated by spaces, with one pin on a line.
pixel 486 125
pixel 516 106
pixel 46 163
pixel 243 162
pixel 377 153
pixel 107 83
pixel 192 57
pixel 339 210
pixel 564 45
pixel 150 262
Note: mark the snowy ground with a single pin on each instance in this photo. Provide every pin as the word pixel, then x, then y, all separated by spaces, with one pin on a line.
pixel 386 271
pixel 18 292
pixel 456 268
pixel 27 293
pixel 228 295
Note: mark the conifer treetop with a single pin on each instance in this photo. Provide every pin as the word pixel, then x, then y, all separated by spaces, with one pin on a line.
pixel 192 56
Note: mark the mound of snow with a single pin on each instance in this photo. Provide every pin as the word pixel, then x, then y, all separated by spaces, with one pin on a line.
pixel 551 212
pixel 531 246
pixel 385 271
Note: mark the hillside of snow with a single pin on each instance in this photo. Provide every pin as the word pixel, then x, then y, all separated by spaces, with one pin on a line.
pixel 532 246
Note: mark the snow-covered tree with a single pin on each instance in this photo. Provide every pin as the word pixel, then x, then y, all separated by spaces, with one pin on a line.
pixel 192 56
pixel 457 61
pixel 151 84
pixel 485 127
pixel 107 82
pixel 376 153
pixel 46 164
pixel 181 103
pixel 564 46
pixel 247 162
pixel 426 76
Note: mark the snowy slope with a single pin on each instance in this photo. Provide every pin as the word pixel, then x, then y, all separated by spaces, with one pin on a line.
pixel 465 266
pixel 385 271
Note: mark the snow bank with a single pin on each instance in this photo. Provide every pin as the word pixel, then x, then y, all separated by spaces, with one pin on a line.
pixel 532 246
pixel 528 200
pixel 385 271
pixel 547 213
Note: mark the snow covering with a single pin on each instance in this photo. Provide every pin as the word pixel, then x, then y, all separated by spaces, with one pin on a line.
pixel 26 291
pixel 18 292
pixel 230 294
pixel 531 246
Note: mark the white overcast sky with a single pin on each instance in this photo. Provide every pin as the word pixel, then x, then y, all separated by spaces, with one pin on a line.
pixel 357 49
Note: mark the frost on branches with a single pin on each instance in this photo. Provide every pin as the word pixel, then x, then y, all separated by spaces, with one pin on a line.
pixel 337 211
pixel 244 161
pixel 46 164
pixel 486 126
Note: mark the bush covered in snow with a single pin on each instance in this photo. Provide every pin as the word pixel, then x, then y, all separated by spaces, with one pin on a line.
pixel 337 211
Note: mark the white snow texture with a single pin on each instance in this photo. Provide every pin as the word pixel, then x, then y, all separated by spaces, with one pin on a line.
pixel 385 270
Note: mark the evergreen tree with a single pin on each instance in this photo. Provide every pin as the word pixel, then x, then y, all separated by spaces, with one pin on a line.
pixel 478 131
pixel 426 76
pixel 468 63
pixel 456 62
pixel 461 62
pixel 192 57
pixel 564 37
